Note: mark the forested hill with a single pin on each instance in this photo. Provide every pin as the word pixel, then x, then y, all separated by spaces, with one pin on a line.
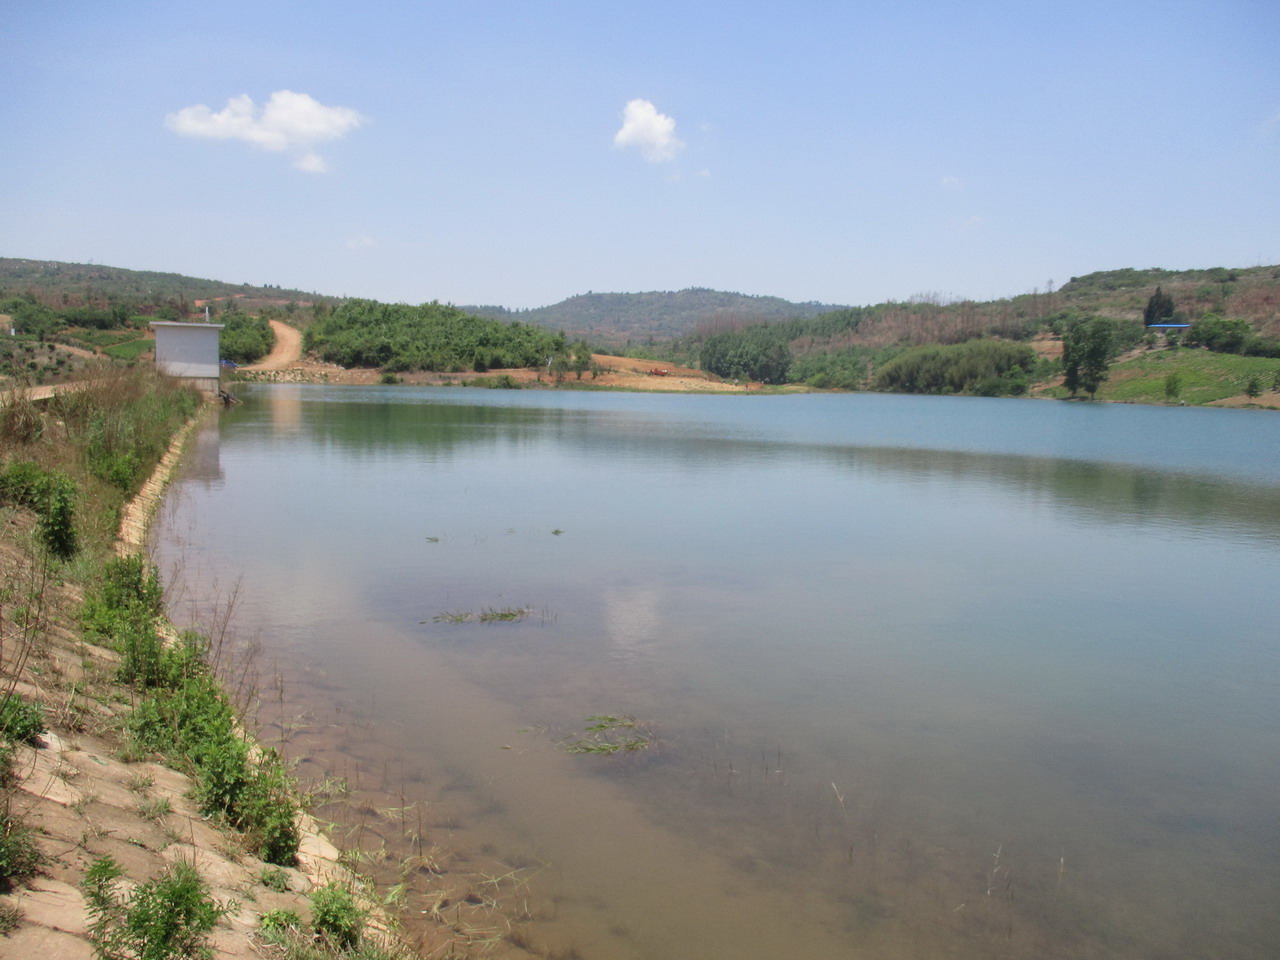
pixel 612 319
pixel 91 282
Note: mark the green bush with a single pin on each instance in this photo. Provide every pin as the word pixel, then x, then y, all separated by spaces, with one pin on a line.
pixel 336 917
pixel 245 339
pixel 166 918
pixel 19 856
pixel 276 922
pixel 20 722
pixel 52 496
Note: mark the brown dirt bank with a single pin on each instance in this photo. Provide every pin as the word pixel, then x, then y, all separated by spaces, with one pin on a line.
pixel 286 364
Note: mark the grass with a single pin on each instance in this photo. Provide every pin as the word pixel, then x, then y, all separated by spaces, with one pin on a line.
pixel 129 350
pixel 1205 377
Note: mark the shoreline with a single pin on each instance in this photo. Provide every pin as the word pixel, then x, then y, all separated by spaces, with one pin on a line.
pixel 81 797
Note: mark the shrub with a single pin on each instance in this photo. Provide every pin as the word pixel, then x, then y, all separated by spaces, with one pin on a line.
pixel 20 421
pixel 52 496
pixel 20 722
pixel 166 918
pixel 273 878
pixel 56 516
pixel 276 922
pixel 336 917
pixel 19 856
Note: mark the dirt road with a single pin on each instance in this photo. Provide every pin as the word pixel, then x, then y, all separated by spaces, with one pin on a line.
pixel 287 351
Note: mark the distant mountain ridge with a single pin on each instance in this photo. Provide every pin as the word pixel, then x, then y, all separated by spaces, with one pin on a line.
pixel 615 318
pixel 19 275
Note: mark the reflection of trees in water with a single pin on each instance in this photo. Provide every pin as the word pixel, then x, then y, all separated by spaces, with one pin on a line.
pixel 1114 492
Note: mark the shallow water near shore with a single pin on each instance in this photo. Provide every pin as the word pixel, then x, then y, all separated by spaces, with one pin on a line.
pixel 928 677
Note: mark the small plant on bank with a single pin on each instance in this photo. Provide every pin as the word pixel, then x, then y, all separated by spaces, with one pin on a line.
pixel 19 856
pixel 10 918
pixel 277 924
pixel 273 878
pixel 20 722
pixel 336 917
pixel 52 496
pixel 165 918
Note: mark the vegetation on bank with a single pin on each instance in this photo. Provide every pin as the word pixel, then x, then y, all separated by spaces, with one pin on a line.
pixel 245 339
pixel 1182 375
pixel 397 337
pixel 987 368
pixel 913 345
pixel 67 467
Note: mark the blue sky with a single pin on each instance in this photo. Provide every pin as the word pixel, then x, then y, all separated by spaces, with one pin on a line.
pixel 518 153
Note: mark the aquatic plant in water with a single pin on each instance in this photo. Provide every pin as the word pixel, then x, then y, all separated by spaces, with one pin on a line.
pixel 602 736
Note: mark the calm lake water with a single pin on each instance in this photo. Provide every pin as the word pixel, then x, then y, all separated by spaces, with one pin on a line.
pixel 928 677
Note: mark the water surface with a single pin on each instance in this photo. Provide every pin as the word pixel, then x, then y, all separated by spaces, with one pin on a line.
pixel 929 677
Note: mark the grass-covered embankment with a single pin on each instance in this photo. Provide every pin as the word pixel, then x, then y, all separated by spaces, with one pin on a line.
pixel 1199 377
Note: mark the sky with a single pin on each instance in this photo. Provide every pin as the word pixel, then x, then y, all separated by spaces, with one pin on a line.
pixel 517 153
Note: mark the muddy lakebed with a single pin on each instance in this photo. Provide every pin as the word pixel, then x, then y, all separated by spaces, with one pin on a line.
pixel 916 677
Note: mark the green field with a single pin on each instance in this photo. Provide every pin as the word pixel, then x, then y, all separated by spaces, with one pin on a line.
pixel 130 350
pixel 1205 377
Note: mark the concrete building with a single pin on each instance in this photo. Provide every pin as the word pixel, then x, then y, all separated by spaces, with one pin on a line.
pixel 189 351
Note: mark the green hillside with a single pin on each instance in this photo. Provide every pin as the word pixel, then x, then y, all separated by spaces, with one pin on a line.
pixel 59 283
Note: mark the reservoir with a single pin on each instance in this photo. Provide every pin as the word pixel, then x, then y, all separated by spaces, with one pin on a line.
pixel 909 677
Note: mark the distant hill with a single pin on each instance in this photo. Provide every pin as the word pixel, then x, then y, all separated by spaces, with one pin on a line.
pixel 52 280
pixel 613 319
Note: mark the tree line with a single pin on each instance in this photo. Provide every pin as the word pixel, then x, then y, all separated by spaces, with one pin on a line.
pixel 397 337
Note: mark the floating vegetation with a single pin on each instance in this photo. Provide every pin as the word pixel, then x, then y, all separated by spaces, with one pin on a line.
pixel 556 533
pixel 603 736
pixel 433 539
pixel 487 615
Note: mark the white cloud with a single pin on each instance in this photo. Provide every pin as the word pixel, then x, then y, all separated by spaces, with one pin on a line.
pixel 952 183
pixel 652 132
pixel 287 121
pixel 361 241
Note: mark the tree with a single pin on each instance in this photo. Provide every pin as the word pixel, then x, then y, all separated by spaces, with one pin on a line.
pixel 757 352
pixel 1254 387
pixel 1173 386
pixel 1087 344
pixel 1220 334
pixel 581 362
pixel 1159 308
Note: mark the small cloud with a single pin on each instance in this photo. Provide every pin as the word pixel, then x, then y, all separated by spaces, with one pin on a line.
pixel 312 163
pixel 652 132
pixel 704 172
pixel 972 222
pixel 287 121
pixel 361 241
pixel 952 183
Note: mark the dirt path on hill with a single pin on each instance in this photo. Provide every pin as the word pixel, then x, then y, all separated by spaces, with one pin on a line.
pixel 287 351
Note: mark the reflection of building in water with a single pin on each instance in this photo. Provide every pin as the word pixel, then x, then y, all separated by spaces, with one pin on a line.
pixel 286 409
pixel 203 458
